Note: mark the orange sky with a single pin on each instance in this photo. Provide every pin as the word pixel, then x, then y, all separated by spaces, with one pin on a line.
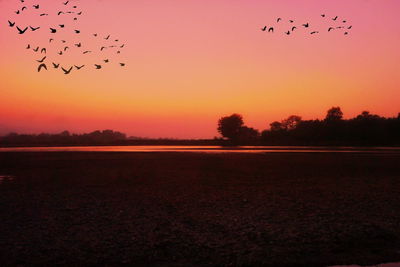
pixel 191 62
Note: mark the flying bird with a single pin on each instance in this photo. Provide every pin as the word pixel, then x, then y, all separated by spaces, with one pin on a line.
pixel 288 32
pixel 122 64
pixel 349 27
pixel 21 31
pixel 335 18
pixel 36 6
pixel 291 21
pixel 314 32
pixel 330 28
pixel 97 66
pixel 107 37
pixel 102 48
pixel 77 31
pixel 41 66
pixel 43 14
pixel 60 53
pixel 279 19
pixel 43 51
pixel 264 29
pixel 293 28
pixel 34 29
pixel 79 67
pixel 28 47
pixel 78 45
pixel 41 60
pixel 36 49
pixel 106 60
pixel 56 65
pixel 11 24
pixel 65 48
pixel 59 13
pixel 323 15
pixel 61 25
pixel 17 12
pixel 306 25
pixel 85 52
pixel 271 29
pixel 53 30
pixel 66 3
pixel 67 71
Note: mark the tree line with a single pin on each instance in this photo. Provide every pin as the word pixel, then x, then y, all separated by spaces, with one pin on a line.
pixel 365 129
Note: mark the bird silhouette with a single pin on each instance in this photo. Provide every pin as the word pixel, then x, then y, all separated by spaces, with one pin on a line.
pixel 346 33
pixel 271 29
pixel 56 65
pixel 288 32
pixel 102 48
pixel 53 30
pixel 11 24
pixel 279 19
pixel 85 52
pixel 349 27
pixel 67 71
pixel 61 25
pixel 107 37
pixel 293 28
pixel 77 31
pixel 34 29
pixel 43 14
pixel 306 25
pixel 65 48
pixel 59 13
pixel 335 18
pixel 60 53
pixel 41 66
pixel 28 47
pixel 23 8
pixel 314 32
pixel 43 50
pixel 21 31
pixel 291 21
pixel 36 49
pixel 264 29
pixel 78 45
pixel 323 15
pixel 330 28
pixel 41 60
pixel 50 40
pixel 97 66
pixel 106 60
pixel 36 6
pixel 79 67
pixel 122 64
pixel 66 3
pixel 17 12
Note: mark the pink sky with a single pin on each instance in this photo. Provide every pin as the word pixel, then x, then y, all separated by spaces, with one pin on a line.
pixel 191 62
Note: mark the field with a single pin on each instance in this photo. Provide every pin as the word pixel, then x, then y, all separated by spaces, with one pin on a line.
pixel 185 209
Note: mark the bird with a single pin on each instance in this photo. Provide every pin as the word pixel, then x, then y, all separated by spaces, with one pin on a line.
pixel 122 64
pixel 60 53
pixel 330 28
pixel 107 37
pixel 53 30
pixel 85 52
pixel 65 48
pixel 78 45
pixel 61 25
pixel 118 52
pixel 80 13
pixel 95 34
pixel 43 14
pixel 288 32
pixel 122 46
pixel 50 40
pixel 23 8
pixel 102 48
pixel 77 31
pixel 34 29
pixel 36 49
pixel 36 6
pixel 346 33
pixel 349 27
pixel 17 12
pixel 323 15
pixel 344 21
pixel 279 19
pixel 306 25
pixel 314 32
pixel 41 60
pixel 28 47
pixel 335 18
pixel 106 60
pixel 291 21
pixel 43 50
pixel 66 3
pixel 56 65
pixel 42 66
pixel 79 67
pixel 63 41
pixel 67 71
pixel 264 29
pixel 97 66
pixel 21 31
pixel 11 24
pixel 59 13
pixel 271 29
pixel 293 28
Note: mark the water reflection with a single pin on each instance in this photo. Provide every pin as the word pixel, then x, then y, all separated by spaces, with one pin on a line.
pixel 6 178
pixel 395 264
pixel 206 149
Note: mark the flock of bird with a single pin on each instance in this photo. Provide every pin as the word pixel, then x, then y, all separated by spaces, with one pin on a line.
pixel 55 32
pixel 293 28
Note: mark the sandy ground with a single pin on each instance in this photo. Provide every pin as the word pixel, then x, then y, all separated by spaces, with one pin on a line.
pixel 187 209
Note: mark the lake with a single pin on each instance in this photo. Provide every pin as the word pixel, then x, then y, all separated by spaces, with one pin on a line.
pixel 207 149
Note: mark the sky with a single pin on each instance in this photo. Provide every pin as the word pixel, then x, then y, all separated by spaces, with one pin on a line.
pixel 189 62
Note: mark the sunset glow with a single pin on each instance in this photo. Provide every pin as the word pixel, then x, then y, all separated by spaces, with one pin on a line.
pixel 191 62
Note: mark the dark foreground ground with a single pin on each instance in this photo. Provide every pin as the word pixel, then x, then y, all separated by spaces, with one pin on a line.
pixel 199 209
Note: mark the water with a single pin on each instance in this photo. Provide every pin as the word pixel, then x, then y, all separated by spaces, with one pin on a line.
pixel 395 264
pixel 6 178
pixel 208 149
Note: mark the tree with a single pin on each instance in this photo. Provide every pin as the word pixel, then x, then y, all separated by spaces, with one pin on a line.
pixel 291 122
pixel 229 126
pixel 247 134
pixel 276 126
pixel 334 114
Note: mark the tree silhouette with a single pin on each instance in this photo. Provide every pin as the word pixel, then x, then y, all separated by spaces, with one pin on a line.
pixel 229 126
pixel 334 114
